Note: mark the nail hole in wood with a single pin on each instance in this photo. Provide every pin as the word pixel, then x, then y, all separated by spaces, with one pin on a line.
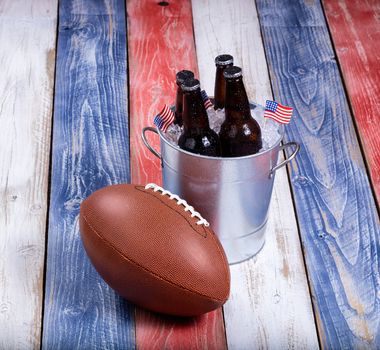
pixel 163 3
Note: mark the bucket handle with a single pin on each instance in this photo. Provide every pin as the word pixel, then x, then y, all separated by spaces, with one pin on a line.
pixel 146 143
pixel 286 161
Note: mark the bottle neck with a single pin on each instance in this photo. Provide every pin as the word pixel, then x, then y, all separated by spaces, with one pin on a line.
pixel 237 103
pixel 179 94
pixel 178 106
pixel 194 113
pixel 220 87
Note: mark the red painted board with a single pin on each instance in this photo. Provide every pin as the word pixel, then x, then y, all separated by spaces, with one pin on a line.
pixel 160 43
pixel 355 29
pixel 165 332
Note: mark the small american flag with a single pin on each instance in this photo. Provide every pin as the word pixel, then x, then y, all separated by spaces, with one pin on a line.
pixel 206 100
pixel 281 114
pixel 163 119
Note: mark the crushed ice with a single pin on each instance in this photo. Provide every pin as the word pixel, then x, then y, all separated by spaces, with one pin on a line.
pixel 270 130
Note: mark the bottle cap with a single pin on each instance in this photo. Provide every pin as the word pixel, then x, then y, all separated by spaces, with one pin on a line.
pixel 224 60
pixel 182 75
pixel 190 84
pixel 232 72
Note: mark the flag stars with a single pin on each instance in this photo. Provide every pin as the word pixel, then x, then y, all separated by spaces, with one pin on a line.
pixel 279 113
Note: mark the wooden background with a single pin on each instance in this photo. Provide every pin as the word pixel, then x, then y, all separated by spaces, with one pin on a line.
pixel 80 78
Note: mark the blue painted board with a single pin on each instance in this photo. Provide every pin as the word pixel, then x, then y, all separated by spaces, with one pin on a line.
pixel 338 219
pixel 92 7
pixel 90 150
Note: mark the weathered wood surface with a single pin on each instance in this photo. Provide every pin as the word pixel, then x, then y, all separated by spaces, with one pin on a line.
pixel 27 36
pixel 90 151
pixel 270 304
pixel 355 29
pixel 160 43
pixel 338 220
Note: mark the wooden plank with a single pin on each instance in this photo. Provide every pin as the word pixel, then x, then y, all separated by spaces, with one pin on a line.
pixel 27 35
pixel 355 27
pixel 160 42
pixel 90 151
pixel 272 285
pixel 337 215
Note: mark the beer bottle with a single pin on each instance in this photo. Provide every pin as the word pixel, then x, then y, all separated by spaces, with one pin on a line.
pixel 181 76
pixel 240 134
pixel 197 136
pixel 221 62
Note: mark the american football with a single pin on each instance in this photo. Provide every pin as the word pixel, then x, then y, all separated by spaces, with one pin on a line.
pixel 154 249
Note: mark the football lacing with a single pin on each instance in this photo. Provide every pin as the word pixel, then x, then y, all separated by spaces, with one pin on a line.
pixel 180 201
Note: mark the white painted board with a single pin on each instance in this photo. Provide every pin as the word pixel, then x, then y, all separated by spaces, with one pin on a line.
pixel 270 304
pixel 27 54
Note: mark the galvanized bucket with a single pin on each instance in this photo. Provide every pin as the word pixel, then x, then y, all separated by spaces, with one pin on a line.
pixel 233 194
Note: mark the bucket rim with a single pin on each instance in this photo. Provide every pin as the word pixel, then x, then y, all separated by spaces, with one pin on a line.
pixel 256 155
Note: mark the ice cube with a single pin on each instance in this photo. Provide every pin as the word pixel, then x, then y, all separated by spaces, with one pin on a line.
pixel 257 113
pixel 206 141
pixel 270 135
pixel 173 133
pixel 270 130
pixel 216 118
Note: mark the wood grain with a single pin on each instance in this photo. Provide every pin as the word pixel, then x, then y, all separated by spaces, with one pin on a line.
pixel 355 28
pixel 27 53
pixel 90 151
pixel 160 43
pixel 338 220
pixel 272 285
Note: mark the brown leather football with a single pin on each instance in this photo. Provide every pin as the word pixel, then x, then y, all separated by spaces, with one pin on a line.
pixel 154 249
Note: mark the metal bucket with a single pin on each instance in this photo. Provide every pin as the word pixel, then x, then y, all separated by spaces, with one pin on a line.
pixel 233 194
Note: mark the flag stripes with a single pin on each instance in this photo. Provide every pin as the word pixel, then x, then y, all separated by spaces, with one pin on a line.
pixel 206 99
pixel 279 113
pixel 163 119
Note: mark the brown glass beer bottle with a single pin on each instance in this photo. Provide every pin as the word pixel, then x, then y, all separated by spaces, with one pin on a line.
pixel 221 62
pixel 197 136
pixel 240 134
pixel 181 76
